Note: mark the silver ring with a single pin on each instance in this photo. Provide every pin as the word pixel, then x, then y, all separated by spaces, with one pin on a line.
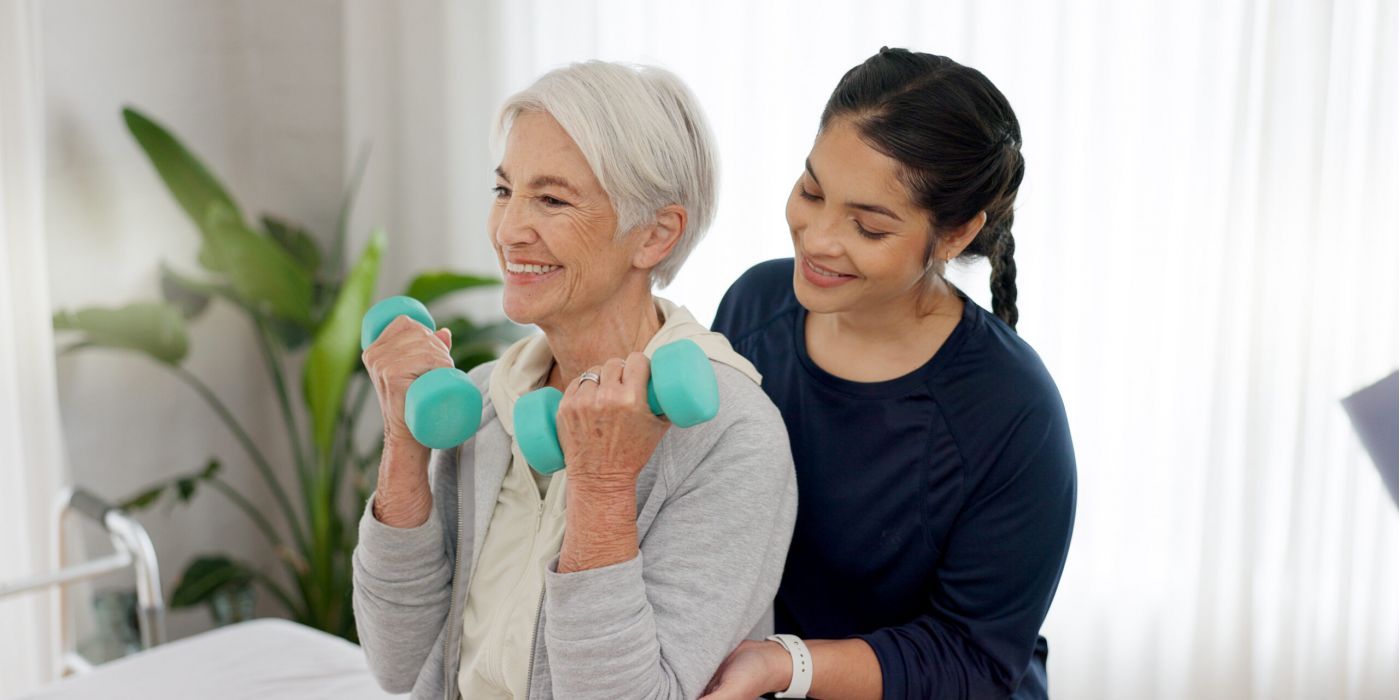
pixel 590 377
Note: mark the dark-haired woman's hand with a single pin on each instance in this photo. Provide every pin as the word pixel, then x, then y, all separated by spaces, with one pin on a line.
pixel 752 669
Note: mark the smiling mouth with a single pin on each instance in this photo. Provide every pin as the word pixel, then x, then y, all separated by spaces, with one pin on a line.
pixel 526 269
pixel 821 270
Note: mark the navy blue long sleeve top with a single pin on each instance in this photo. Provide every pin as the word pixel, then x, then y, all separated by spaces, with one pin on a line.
pixel 934 509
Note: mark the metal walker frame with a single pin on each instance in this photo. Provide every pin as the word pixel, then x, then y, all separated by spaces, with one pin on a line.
pixel 133 549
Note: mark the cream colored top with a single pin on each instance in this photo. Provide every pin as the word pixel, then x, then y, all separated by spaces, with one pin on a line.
pixel 527 525
pixel 526 532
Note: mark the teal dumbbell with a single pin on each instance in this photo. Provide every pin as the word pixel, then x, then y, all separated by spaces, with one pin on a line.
pixel 442 407
pixel 682 388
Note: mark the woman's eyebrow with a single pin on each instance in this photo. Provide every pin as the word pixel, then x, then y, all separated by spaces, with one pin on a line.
pixel 875 209
pixel 554 181
pixel 542 181
pixel 872 208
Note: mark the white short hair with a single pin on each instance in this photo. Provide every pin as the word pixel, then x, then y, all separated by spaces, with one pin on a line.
pixel 643 134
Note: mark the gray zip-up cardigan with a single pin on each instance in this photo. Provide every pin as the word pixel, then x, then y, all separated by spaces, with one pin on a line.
pixel 715 511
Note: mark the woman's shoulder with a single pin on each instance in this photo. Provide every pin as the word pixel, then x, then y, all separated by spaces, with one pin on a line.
pixel 760 296
pixel 1001 403
pixel 998 357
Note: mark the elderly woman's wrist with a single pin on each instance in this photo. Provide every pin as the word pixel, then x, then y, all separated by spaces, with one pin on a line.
pixel 596 554
pixel 402 496
pixel 403 443
pixel 600 506
pixel 601 524
pixel 596 536
pixel 402 510
pixel 619 488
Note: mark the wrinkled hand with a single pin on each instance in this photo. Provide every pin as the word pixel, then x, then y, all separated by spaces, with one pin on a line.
pixel 607 431
pixel 405 351
pixel 752 669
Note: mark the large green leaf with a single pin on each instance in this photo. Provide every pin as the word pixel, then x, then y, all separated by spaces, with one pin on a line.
pixel 430 286
pixel 302 246
pixel 207 575
pixel 291 335
pixel 266 277
pixel 194 187
pixel 296 241
pixel 336 348
pixel 156 329
pixel 192 295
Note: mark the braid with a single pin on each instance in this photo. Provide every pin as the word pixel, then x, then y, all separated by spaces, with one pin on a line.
pixel 1004 275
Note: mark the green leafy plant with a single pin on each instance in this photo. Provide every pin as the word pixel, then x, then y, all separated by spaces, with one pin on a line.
pixel 304 306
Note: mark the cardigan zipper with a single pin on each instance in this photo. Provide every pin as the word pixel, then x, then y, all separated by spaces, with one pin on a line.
pixel 539 610
pixel 449 687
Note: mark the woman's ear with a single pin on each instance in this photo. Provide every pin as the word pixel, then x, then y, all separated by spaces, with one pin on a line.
pixel 952 245
pixel 661 237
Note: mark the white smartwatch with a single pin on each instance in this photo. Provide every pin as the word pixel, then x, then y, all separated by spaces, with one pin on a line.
pixel 801 665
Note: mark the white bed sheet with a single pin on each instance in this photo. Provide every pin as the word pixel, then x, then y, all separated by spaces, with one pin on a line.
pixel 266 658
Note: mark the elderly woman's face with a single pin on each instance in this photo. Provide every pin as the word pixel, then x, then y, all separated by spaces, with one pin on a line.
pixel 553 226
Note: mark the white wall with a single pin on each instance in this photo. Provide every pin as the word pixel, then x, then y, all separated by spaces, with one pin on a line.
pixel 255 88
pixel 423 81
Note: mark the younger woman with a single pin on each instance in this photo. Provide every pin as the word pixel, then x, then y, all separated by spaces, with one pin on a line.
pixel 936 478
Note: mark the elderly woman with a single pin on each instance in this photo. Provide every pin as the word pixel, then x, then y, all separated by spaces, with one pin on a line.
pixel 635 570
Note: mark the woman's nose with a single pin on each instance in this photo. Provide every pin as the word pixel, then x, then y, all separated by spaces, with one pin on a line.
pixel 822 237
pixel 513 226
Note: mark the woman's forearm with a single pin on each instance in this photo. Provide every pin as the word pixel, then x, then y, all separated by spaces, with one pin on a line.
pixel 842 669
pixel 600 526
pixel 403 498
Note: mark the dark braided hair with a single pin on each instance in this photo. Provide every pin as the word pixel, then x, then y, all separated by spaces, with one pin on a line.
pixel 959 146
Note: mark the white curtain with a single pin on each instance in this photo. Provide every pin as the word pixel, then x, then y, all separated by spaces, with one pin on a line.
pixel 420 82
pixel 1207 243
pixel 31 452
